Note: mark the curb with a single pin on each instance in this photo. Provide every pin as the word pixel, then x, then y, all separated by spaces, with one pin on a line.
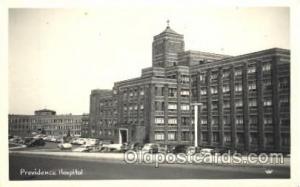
pixel 115 157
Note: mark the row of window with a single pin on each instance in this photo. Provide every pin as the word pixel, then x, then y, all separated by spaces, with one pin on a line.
pixel 23 120
pixel 240 137
pixel 237 72
pixel 172 92
pixel 133 107
pixel 47 127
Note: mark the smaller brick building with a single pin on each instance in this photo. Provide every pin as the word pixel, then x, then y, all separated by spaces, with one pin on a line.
pixel 45 121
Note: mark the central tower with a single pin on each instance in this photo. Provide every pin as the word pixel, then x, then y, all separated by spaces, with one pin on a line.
pixel 165 48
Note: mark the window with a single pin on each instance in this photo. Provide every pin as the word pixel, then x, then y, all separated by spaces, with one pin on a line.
pixel 252 86
pixel 238 103
pixel 214 76
pixel 251 69
pixel 185 107
pixel 269 139
pixel 172 92
pixel 284 122
pixel 159 120
pixel 184 93
pixel 240 138
pixel 203 121
pixel 185 121
pixel 159 136
pixel 285 139
pixel 252 103
pixel 215 121
pixel 266 67
pixel 142 92
pixel 171 136
pixel 215 137
pixel 226 74
pixel 253 120
pixel 214 105
pixel 238 88
pixel 172 121
pixel 202 77
pixel 185 136
pixel 267 102
pixel 253 138
pixel 214 90
pixel 203 91
pixel 141 107
pixel 159 106
pixel 239 120
pixel 203 106
pixel 226 88
pixel 268 120
pixel 172 106
pixel 226 120
pixel 159 91
pixel 238 72
pixel 227 137
pixel 226 104
pixel 283 83
pixel 185 79
pixel 204 136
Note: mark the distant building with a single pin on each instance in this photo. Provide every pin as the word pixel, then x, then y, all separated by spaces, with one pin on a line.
pixel 85 125
pixel 45 121
pixel 245 99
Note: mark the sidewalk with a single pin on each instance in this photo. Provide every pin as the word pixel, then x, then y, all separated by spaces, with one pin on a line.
pixel 119 157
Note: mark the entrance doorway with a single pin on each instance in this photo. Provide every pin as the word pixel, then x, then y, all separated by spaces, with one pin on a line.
pixel 123 136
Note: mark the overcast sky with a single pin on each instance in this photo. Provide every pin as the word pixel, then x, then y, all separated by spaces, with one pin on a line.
pixel 57 56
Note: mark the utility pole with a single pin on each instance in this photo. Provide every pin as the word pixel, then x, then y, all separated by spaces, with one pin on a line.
pixel 196 122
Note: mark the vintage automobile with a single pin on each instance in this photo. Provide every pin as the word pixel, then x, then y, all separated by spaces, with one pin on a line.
pixel 63 146
pixel 151 148
pixel 83 148
pixel 33 142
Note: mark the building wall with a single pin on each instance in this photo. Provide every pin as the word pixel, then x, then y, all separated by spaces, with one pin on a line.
pixel 245 104
pixel 54 125
pixel 245 100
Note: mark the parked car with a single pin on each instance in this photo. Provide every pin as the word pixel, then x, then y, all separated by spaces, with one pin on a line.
pixel 150 148
pixel 80 141
pixel 135 146
pixel 32 142
pixel 179 149
pixel 221 150
pixel 83 148
pixel 192 150
pixel 16 140
pixel 207 151
pixel 112 147
pixel 91 141
pixel 64 146
pixel 166 149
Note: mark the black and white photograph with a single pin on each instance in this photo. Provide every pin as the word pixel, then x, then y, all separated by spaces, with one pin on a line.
pixel 149 92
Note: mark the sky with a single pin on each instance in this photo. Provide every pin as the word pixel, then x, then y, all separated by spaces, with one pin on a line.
pixel 57 56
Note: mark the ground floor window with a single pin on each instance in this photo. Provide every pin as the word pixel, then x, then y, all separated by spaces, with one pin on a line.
pixel 185 136
pixel 171 136
pixel 159 136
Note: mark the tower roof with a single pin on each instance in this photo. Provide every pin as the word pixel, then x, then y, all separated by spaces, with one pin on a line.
pixel 169 30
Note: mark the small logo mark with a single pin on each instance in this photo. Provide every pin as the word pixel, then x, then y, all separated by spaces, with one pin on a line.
pixel 268 171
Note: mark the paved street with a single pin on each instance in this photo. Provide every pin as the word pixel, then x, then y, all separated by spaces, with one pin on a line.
pixel 97 169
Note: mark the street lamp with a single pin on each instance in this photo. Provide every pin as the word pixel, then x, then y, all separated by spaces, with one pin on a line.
pixel 196 122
